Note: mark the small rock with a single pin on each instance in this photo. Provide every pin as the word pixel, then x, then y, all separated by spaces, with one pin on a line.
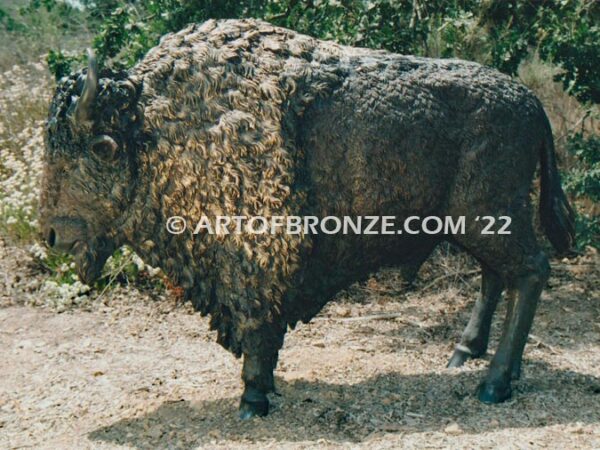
pixel 343 311
pixel 453 429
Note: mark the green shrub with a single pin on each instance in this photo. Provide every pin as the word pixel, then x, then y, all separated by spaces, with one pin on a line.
pixel 583 182
pixel 584 179
pixel 499 33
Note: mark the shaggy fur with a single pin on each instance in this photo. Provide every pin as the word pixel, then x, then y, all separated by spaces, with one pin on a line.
pixel 239 117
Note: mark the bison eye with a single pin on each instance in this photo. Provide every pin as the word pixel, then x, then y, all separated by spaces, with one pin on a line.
pixel 104 146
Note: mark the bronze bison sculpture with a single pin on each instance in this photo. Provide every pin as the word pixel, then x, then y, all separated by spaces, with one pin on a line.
pixel 242 118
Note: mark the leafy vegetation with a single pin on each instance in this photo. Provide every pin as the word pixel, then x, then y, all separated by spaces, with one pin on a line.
pixel 585 179
pixel 499 33
pixel 583 182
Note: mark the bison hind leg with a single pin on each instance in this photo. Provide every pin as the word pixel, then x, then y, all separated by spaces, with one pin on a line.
pixel 527 287
pixel 524 269
pixel 474 340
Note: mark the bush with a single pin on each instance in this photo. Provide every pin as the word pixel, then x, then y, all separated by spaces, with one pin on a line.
pixel 499 33
pixel 583 182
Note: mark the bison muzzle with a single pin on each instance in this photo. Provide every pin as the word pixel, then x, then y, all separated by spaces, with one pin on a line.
pixel 242 118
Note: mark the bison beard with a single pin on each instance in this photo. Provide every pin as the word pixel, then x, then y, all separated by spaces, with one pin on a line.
pixel 241 118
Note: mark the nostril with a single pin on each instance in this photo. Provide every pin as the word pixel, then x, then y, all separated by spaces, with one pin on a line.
pixel 51 237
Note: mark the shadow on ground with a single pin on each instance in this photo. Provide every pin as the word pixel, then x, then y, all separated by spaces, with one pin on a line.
pixel 391 403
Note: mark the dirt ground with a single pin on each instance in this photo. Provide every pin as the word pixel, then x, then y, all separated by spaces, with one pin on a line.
pixel 143 372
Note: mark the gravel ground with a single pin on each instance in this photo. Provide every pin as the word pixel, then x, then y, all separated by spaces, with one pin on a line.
pixel 135 371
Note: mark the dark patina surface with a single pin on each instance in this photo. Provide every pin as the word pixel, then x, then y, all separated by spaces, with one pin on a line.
pixel 238 117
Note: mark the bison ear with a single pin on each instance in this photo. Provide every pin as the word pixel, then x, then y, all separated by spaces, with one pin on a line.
pixel 104 147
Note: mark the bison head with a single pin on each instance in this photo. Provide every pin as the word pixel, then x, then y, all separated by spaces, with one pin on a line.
pixel 90 165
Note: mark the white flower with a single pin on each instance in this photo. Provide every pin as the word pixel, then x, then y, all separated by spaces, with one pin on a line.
pixel 153 271
pixel 38 251
pixel 138 262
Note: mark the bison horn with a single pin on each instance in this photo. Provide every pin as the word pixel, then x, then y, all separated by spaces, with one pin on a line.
pixel 90 88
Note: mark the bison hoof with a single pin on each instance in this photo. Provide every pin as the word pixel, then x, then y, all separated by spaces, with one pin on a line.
pixel 253 403
pixel 491 393
pixel 458 358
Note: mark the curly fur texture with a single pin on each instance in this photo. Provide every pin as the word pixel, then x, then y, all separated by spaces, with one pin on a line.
pixel 215 101
pixel 238 117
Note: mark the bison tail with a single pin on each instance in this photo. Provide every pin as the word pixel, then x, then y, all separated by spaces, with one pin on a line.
pixel 556 215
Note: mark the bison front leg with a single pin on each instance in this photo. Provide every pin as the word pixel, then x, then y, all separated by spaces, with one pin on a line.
pixel 261 349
